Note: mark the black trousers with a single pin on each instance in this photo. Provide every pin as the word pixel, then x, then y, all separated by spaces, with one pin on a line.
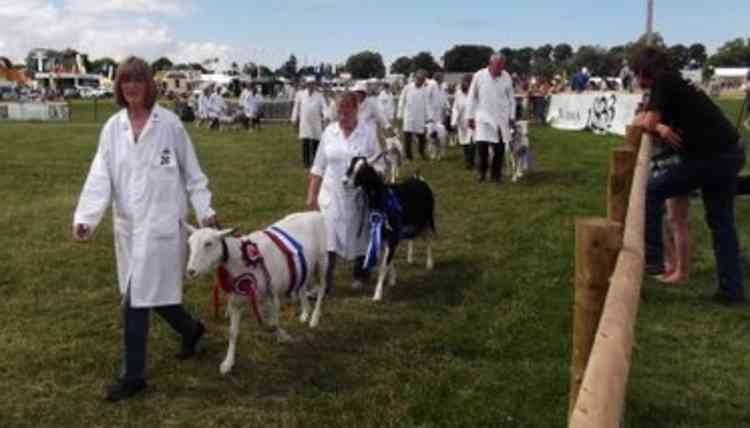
pixel 135 328
pixel 309 149
pixel 421 138
pixel 498 151
pixel 469 153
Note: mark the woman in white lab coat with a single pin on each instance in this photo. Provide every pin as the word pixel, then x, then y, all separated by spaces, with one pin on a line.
pixel 459 122
pixel 344 208
pixel 146 167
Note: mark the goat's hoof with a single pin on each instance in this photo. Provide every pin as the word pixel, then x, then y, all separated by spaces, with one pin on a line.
pixel 430 266
pixel 225 367
pixel 303 318
pixel 314 323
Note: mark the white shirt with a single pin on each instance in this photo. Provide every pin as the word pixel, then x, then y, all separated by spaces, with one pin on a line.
pixel 492 104
pixel 202 105
pixel 344 208
pixel 309 111
pixel 458 118
pixel 414 108
pixel 438 100
pixel 387 106
pixel 148 184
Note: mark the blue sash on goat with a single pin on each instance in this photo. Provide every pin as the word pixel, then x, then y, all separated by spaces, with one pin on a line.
pixel 391 214
pixel 294 255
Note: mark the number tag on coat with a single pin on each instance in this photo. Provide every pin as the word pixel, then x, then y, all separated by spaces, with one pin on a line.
pixel 166 158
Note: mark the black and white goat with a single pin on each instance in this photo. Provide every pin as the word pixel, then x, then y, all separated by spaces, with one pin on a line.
pixel 397 211
pixel 262 267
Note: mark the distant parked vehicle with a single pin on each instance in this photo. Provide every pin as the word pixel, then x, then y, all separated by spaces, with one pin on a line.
pixel 70 93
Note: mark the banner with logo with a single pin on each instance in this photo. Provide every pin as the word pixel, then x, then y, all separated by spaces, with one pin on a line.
pixel 34 111
pixel 601 112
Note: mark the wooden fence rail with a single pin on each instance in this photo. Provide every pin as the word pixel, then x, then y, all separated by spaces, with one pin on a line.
pixel 601 398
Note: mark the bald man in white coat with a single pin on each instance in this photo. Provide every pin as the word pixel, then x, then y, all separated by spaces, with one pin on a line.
pixel 490 111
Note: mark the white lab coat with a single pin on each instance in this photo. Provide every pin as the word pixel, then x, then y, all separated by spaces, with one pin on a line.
pixel 414 108
pixel 458 119
pixel 492 105
pixel 332 111
pixel 438 100
pixel 309 110
pixel 202 106
pixel 216 106
pixel 250 105
pixel 344 208
pixel 387 106
pixel 148 184
pixel 369 112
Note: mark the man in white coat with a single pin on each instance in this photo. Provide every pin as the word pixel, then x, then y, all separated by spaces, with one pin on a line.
pixel 387 103
pixel 414 108
pixel 146 168
pixel 369 109
pixel 438 98
pixel 307 116
pixel 216 107
pixel 461 124
pixel 250 107
pixel 491 109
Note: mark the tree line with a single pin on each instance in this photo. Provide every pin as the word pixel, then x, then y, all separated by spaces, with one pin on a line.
pixel 546 61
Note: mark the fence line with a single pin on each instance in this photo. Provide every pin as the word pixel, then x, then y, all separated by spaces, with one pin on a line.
pixel 601 398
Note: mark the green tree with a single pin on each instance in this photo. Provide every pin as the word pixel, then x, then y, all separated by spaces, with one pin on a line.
pixel 466 58
pixel 366 64
pixel 402 65
pixel 562 53
pixel 734 53
pixel 289 68
pixel 680 55
pixel 425 61
pixel 697 54
pixel 162 64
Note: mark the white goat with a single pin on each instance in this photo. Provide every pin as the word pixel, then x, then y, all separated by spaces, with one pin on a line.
pixel 519 151
pixel 437 139
pixel 262 267
pixel 394 157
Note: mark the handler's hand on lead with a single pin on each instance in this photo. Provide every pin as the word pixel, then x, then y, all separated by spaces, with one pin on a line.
pixel 669 135
pixel 471 124
pixel 81 232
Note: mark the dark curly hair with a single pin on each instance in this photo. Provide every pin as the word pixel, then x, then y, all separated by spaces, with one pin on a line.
pixel 652 62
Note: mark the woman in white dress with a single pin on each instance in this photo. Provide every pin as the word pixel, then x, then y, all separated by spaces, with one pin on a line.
pixel 459 122
pixel 344 208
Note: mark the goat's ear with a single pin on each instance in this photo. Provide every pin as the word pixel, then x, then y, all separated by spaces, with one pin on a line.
pixel 190 229
pixel 226 232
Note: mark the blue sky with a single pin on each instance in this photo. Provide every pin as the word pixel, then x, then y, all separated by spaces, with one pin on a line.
pixel 331 30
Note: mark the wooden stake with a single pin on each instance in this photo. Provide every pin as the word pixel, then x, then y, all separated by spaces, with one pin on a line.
pixel 598 241
pixel 633 136
pixel 621 167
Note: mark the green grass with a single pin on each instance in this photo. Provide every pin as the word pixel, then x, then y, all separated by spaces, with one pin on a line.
pixel 482 341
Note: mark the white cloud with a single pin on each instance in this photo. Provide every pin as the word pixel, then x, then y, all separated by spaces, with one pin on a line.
pixel 113 28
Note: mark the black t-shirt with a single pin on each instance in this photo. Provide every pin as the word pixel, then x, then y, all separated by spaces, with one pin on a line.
pixel 704 129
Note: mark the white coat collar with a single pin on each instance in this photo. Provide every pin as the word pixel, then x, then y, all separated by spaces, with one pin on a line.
pixel 154 117
pixel 336 129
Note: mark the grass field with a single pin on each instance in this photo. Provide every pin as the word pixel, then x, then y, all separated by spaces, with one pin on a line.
pixel 481 341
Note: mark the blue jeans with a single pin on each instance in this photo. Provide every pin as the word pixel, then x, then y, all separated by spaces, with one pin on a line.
pixel 717 179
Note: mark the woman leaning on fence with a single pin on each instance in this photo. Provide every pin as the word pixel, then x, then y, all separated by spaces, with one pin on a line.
pixel 146 167
pixel 711 156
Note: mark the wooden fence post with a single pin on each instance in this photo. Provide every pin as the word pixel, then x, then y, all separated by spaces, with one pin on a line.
pixel 598 242
pixel 621 167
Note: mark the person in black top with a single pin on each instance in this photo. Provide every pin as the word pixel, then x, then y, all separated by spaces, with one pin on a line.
pixel 711 156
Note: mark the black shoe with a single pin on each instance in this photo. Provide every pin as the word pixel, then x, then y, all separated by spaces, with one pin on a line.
pixel 190 345
pixel 124 389
pixel 726 300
